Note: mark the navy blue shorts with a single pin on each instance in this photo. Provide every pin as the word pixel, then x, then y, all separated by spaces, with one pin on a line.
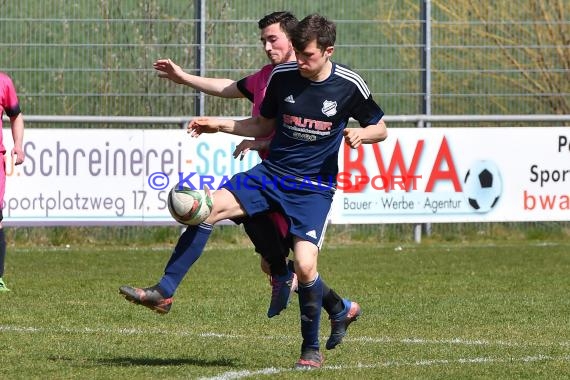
pixel 306 205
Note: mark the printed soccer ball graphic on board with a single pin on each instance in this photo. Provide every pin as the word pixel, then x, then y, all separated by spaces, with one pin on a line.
pixel 482 186
pixel 190 207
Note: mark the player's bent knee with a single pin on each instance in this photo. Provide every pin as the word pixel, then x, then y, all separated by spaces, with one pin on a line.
pixel 225 206
pixel 306 272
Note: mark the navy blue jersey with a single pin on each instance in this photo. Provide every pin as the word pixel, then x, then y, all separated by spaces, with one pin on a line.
pixel 310 117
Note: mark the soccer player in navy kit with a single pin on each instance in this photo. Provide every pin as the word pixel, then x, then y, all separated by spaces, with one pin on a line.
pixel 308 104
pixel 268 232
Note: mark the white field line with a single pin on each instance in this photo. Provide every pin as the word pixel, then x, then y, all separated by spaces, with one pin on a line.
pixel 236 375
pixel 233 375
pixel 168 247
pixel 363 339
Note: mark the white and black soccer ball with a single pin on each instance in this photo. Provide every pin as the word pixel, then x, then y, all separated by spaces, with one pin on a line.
pixel 190 207
pixel 483 186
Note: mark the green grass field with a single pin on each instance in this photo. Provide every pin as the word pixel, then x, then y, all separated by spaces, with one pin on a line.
pixel 446 311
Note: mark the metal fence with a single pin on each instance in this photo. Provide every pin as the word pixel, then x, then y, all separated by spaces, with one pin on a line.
pixel 94 57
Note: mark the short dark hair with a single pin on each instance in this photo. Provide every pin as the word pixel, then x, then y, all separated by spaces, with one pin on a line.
pixel 314 27
pixel 287 21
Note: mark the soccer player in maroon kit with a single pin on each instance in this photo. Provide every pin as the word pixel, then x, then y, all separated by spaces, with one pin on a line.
pixel 8 104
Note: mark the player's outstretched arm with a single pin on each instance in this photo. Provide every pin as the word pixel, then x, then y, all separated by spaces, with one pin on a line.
pixel 257 126
pixel 222 87
pixel 355 137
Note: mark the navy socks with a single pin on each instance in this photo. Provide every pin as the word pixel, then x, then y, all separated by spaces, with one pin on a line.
pixel 188 249
pixel 310 302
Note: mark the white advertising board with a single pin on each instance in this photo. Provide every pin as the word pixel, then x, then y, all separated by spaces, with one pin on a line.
pixel 121 176
pixel 457 175
pixel 110 176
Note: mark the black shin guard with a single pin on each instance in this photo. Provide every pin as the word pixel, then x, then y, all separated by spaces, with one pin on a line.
pixel 268 242
pixel 332 302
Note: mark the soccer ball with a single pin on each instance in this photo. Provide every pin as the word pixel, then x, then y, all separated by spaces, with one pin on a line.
pixel 483 186
pixel 190 207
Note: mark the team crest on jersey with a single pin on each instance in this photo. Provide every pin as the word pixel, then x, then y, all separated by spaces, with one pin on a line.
pixel 329 108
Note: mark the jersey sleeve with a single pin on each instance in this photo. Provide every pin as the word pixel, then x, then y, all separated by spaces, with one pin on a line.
pixel 367 112
pixel 247 85
pixel 269 106
pixel 10 99
pixel 243 87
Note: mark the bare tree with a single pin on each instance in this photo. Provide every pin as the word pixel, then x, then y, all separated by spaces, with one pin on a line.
pixel 498 57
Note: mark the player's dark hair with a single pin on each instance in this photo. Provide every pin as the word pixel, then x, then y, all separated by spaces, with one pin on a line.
pixel 287 21
pixel 314 27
